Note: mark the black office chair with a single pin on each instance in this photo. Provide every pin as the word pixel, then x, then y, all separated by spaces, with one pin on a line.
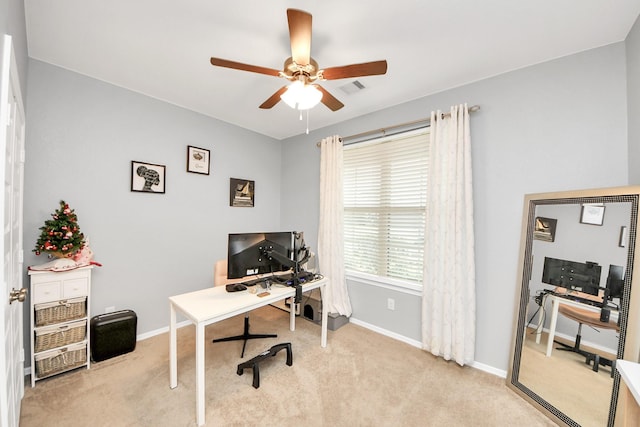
pixel 219 279
pixel 586 317
pixel 597 320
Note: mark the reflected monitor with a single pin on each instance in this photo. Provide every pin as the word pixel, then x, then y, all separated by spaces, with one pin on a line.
pixel 615 282
pixel 575 276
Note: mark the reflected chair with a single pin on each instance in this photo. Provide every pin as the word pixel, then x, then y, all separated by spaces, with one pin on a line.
pixel 220 279
pixel 590 318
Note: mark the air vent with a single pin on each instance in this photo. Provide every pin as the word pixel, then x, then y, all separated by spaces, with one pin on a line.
pixel 352 87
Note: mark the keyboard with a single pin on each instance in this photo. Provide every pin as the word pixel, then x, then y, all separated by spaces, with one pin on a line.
pixel 303 277
pixel 254 282
pixel 284 279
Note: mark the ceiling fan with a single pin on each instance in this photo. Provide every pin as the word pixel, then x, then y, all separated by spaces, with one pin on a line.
pixel 303 71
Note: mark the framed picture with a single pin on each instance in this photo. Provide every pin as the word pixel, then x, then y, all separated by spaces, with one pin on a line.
pixel 241 192
pixel 147 177
pixel 622 242
pixel 545 229
pixel 198 160
pixel 592 214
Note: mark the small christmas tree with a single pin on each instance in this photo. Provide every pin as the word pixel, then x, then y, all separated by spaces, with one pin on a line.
pixel 61 236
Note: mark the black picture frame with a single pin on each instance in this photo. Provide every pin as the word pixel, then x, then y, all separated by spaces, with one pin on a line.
pixel 545 229
pixel 198 160
pixel 241 192
pixel 148 177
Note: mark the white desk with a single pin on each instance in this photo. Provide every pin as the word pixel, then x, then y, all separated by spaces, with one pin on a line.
pixel 556 301
pixel 214 304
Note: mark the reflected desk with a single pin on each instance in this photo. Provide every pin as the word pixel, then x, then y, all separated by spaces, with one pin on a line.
pixel 556 301
pixel 214 304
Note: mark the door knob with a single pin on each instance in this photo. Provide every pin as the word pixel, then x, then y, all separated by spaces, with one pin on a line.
pixel 17 295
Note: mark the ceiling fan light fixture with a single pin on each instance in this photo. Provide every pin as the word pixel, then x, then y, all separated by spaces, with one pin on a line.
pixel 301 96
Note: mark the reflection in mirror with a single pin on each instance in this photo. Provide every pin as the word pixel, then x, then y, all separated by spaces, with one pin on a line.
pixel 575 276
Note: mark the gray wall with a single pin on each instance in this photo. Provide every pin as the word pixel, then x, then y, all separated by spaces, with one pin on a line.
pixel 82 135
pixel 633 101
pixel 559 125
pixel 554 126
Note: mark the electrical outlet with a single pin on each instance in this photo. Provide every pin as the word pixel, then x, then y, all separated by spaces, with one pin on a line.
pixel 109 309
pixel 391 304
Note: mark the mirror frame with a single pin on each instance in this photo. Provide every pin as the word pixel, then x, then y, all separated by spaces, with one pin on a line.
pixel 629 343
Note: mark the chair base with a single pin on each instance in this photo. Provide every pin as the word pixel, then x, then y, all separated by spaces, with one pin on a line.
pixel 245 336
pixel 589 357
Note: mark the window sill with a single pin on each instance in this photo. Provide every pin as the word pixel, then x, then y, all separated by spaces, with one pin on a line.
pixel 385 282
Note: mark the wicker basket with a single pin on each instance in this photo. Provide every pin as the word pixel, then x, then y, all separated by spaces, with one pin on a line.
pixel 60 360
pixel 60 311
pixel 49 337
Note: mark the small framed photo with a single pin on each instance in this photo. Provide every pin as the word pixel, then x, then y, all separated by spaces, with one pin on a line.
pixel 592 214
pixel 198 160
pixel 147 177
pixel 545 229
pixel 241 192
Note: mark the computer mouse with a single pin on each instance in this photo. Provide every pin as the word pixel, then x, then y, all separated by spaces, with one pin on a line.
pixel 236 287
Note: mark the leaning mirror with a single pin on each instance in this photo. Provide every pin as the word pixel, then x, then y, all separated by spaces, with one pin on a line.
pixel 577 305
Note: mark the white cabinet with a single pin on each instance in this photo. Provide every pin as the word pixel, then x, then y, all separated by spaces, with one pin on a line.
pixel 59 321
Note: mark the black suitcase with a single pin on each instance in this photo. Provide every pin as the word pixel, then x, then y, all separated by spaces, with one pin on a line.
pixel 113 334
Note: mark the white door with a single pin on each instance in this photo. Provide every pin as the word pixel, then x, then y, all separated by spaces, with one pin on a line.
pixel 12 294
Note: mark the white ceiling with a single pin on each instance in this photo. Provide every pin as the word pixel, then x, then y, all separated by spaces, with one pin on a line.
pixel 161 48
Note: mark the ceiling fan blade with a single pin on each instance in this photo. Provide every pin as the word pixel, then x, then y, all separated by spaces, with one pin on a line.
pixel 356 70
pixel 330 100
pixel 300 35
pixel 244 67
pixel 273 99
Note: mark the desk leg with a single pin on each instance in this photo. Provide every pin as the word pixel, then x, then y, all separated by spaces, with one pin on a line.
pixel 200 386
pixel 173 348
pixel 552 325
pixel 325 316
pixel 292 315
pixel 540 322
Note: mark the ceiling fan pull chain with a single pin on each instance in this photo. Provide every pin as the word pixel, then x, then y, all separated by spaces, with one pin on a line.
pixel 307 122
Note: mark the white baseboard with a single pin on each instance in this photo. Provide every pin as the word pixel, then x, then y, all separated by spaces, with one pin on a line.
pixel 584 343
pixel 385 332
pixel 155 332
pixel 477 365
pixel 395 336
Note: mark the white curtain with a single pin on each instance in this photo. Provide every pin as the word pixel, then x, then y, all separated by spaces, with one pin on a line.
pixel 449 301
pixel 330 229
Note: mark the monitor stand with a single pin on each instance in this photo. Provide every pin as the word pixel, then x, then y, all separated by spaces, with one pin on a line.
pixel 245 336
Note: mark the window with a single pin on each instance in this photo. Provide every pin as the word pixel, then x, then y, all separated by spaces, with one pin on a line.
pixel 385 193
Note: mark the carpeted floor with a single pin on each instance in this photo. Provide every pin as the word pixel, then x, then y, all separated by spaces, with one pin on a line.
pixel 566 382
pixel 360 379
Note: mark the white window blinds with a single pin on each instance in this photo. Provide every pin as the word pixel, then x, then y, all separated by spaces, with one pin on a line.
pixel 385 192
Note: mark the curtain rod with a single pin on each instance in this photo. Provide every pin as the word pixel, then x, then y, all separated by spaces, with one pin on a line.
pixel 383 131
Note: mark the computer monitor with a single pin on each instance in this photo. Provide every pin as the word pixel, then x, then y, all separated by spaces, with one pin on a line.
pixel 615 282
pixel 575 276
pixel 250 254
